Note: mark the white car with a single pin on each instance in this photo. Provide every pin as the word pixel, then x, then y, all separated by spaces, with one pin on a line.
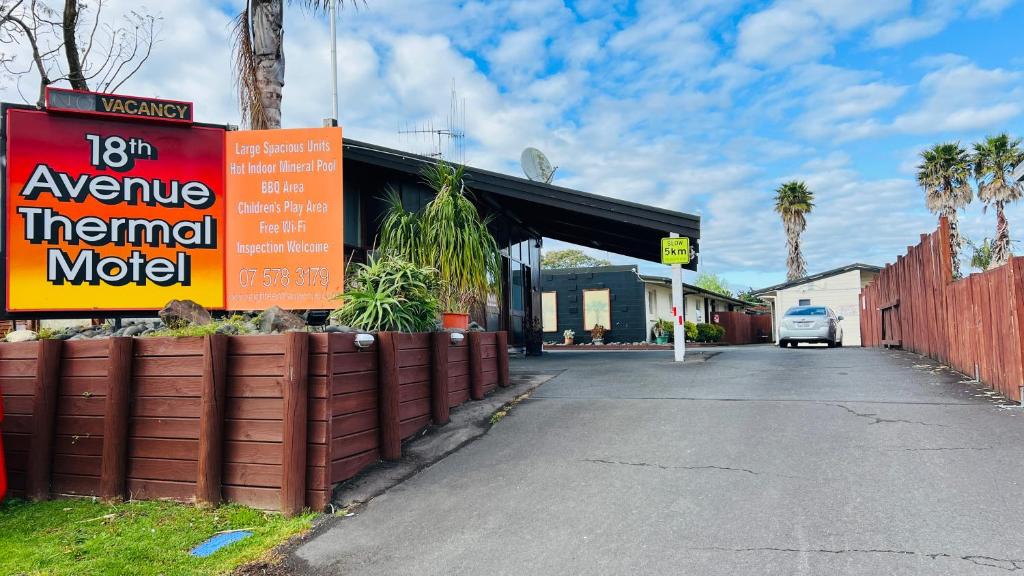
pixel 811 324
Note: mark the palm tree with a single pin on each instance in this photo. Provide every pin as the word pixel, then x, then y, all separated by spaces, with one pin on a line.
pixel 993 161
pixel 259 59
pixel 943 174
pixel 792 201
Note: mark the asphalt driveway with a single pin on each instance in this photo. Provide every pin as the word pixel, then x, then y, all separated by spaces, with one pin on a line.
pixel 756 461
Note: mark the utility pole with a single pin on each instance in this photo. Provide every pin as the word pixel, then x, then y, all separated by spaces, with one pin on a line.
pixel 334 61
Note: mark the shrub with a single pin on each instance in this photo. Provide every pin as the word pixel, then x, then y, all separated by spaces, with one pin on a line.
pixel 663 327
pixel 710 332
pixel 389 293
pixel 691 331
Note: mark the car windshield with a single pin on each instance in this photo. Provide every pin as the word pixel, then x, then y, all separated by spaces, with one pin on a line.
pixel 813 311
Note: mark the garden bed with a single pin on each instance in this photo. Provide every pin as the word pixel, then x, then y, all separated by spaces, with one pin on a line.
pixel 270 421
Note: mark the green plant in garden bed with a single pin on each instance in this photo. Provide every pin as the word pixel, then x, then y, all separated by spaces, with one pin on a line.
pixel 238 322
pixel 83 537
pixel 448 235
pixel 710 333
pixel 691 331
pixel 389 293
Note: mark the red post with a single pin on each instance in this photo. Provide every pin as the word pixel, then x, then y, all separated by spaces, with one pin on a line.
pixel 501 343
pixel 211 419
pixel 439 344
pixel 295 390
pixel 476 369
pixel 44 414
pixel 387 403
pixel 115 419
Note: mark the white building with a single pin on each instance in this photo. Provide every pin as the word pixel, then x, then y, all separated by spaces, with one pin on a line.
pixel 700 304
pixel 839 289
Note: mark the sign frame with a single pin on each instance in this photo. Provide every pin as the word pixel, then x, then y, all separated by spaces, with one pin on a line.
pixel 69 314
pixel 684 245
pixel 190 121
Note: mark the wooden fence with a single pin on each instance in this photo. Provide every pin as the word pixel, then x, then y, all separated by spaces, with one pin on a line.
pixel 973 324
pixel 742 328
pixel 269 421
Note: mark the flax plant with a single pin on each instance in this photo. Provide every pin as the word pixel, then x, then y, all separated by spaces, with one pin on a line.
pixel 449 235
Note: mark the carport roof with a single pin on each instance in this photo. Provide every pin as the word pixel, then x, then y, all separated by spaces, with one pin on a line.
pixel 818 276
pixel 573 216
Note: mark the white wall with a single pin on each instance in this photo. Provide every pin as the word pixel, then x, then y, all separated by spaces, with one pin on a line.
pixel 694 305
pixel 840 293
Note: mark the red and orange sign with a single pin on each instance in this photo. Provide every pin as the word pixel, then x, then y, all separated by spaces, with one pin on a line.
pixel 109 215
pixel 285 208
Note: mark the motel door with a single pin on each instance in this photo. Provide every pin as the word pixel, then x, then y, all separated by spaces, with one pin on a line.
pixel 518 292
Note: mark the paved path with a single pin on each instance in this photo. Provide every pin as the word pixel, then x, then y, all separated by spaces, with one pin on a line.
pixel 758 461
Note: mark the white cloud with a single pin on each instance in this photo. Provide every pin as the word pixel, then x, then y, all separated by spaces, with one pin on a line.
pixel 782 35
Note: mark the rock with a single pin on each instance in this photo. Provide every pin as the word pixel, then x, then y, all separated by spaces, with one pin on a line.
pixel 21 336
pixel 229 329
pixel 134 330
pixel 179 313
pixel 340 328
pixel 274 319
pixel 78 337
pixel 474 327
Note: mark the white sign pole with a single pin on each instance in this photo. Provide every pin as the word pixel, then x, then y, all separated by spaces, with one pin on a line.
pixel 679 330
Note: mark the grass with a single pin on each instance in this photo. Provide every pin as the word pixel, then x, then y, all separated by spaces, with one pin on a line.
pixel 83 537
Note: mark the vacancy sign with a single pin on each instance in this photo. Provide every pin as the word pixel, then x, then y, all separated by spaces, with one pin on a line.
pixel 105 215
pixel 285 242
pixel 675 250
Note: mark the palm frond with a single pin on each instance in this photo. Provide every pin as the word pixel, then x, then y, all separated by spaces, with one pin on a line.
pixel 250 104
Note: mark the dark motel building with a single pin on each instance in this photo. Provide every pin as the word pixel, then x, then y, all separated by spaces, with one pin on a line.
pixel 624 301
pixel 524 212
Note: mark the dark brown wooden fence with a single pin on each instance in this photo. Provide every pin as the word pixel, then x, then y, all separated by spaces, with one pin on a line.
pixel 742 328
pixel 269 421
pixel 973 324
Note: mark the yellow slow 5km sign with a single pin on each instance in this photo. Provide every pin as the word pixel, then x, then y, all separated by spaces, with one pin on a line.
pixel 675 250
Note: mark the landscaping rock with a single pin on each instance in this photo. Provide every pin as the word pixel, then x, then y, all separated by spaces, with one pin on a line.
pixel 228 329
pixel 178 313
pixel 340 328
pixel 275 319
pixel 134 330
pixel 474 327
pixel 21 336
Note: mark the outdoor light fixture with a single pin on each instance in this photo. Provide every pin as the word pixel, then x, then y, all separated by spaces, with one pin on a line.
pixel 364 340
pixel 458 337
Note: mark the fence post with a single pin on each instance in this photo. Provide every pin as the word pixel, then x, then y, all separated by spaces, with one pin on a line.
pixel 501 343
pixel 440 342
pixel 476 369
pixel 387 402
pixel 115 419
pixel 295 392
pixel 44 413
pixel 211 419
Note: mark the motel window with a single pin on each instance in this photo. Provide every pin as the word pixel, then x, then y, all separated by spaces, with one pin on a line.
pixel 353 217
pixel 805 302
pixel 652 301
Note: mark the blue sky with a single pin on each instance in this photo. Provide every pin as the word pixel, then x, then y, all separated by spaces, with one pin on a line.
pixel 699 106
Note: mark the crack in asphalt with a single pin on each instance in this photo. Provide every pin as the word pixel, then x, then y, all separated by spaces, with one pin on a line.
pixel 1007 564
pixel 663 467
pixel 879 420
pixel 937 449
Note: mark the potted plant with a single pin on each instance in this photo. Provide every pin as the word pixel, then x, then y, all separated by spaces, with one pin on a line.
pixel 450 236
pixel 597 334
pixel 568 336
pixel 389 293
pixel 662 331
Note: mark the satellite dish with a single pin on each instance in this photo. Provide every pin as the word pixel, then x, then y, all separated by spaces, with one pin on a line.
pixel 536 166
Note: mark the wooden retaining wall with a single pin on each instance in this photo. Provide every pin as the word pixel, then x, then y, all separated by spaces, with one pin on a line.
pixel 272 421
pixel 974 324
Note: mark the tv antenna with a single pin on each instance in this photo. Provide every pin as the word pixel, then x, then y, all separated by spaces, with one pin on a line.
pixel 445 140
pixel 536 166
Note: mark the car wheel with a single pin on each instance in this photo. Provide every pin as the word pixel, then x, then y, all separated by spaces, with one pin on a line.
pixel 831 344
pixel 839 344
pixel 783 343
pixel 792 344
